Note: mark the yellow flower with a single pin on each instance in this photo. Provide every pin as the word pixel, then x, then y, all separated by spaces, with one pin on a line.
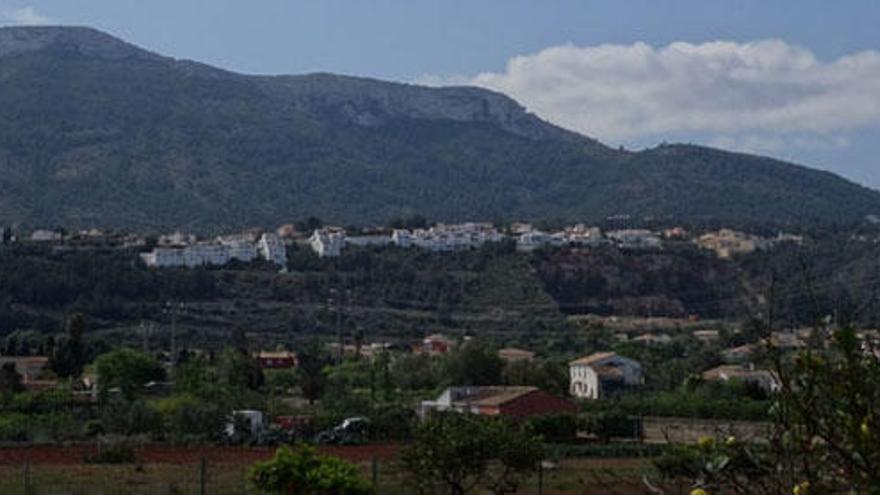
pixel 864 428
pixel 706 442
pixel 699 491
pixel 730 441
pixel 802 488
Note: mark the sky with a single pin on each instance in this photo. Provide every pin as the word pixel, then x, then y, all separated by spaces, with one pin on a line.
pixel 797 80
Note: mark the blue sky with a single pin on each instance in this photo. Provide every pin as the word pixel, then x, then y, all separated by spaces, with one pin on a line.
pixel 796 79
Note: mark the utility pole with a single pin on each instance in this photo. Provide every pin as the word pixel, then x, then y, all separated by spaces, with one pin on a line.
pixel 332 303
pixel 173 339
pixel 173 309
pixel 144 346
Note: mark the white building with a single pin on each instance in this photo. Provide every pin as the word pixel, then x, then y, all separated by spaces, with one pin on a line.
pixel 272 249
pixel 240 250
pixel 596 375
pixel 581 235
pixel 188 256
pixel 369 240
pixel 163 257
pixel 45 236
pixel 635 238
pixel 529 241
pixel 766 380
pixel 444 237
pixel 402 238
pixel 176 239
pixel 327 243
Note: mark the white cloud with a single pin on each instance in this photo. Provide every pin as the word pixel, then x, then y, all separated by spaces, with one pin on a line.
pixel 25 16
pixel 767 91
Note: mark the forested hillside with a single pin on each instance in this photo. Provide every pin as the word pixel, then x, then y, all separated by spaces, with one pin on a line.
pixel 97 132
pixel 403 294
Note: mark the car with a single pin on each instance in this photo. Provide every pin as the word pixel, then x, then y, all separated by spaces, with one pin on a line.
pixel 353 430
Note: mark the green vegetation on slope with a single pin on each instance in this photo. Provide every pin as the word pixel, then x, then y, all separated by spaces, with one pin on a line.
pixel 94 132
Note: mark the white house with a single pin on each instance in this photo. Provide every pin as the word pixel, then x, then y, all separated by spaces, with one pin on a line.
pixel 240 250
pixel 45 236
pixel 444 237
pixel 189 256
pixel 766 380
pixel 272 249
pixel 369 240
pixel 581 235
pixel 327 243
pixel 529 241
pixel 402 238
pixel 176 239
pixel 593 376
pixel 635 238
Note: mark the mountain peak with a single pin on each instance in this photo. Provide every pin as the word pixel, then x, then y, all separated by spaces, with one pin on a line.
pixel 86 41
pixel 98 132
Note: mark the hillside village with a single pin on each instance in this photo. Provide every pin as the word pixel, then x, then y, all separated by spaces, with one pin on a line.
pixel 187 250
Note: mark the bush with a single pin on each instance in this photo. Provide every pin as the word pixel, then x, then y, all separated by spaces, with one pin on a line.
pixel 392 422
pixel 301 470
pixel 93 428
pixel 556 427
pixel 613 423
pixel 14 427
pixel 185 417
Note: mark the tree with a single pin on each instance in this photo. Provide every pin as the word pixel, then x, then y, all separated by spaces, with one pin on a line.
pixel 312 379
pixel 415 372
pixel 474 364
pixel 127 369
pixel 547 375
pixel 239 370
pixel 464 451
pixel 301 471
pixel 10 381
pixel 825 436
pixel 309 225
pixel 240 341
pixel 70 356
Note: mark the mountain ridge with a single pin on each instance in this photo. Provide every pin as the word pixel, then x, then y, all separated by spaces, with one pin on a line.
pixel 95 131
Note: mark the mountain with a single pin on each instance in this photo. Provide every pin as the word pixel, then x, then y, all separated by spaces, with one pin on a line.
pixel 97 132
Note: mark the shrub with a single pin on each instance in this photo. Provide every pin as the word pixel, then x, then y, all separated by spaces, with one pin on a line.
pixel 14 427
pixel 392 422
pixel 555 427
pixel 302 471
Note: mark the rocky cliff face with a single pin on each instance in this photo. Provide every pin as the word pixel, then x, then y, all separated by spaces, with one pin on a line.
pixel 370 102
pixel 361 101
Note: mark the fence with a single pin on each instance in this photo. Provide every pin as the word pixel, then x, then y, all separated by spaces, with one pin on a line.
pixel 134 479
pixel 164 470
pixel 210 470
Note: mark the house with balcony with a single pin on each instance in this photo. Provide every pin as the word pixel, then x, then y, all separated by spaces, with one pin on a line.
pixel 597 375
pixel 327 243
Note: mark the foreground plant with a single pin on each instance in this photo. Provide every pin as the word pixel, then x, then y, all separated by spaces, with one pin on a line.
pixel 824 437
pixel 461 452
pixel 302 471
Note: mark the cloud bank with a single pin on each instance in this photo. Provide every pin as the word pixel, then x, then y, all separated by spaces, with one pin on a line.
pixel 755 96
pixel 26 16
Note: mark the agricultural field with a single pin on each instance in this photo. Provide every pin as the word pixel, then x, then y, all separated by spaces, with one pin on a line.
pixel 48 470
